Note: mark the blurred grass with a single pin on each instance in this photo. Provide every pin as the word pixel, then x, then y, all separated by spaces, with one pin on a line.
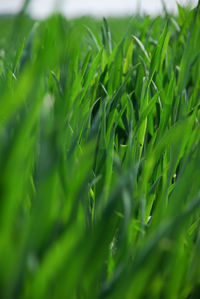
pixel 99 157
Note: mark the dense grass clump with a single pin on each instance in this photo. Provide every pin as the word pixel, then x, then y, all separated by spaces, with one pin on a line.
pixel 100 157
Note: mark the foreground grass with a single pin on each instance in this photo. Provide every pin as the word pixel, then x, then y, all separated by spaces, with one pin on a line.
pixel 99 158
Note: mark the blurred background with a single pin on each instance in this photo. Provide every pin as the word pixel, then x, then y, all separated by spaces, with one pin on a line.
pixel 42 8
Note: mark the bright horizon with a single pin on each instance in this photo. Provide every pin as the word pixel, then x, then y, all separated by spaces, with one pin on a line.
pixel 43 8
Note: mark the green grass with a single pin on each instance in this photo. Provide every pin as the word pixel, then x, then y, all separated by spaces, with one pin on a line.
pixel 99 157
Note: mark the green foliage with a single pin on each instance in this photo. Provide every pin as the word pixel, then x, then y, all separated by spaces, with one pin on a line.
pixel 99 157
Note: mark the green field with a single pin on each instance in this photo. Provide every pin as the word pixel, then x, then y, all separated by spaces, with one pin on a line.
pixel 100 157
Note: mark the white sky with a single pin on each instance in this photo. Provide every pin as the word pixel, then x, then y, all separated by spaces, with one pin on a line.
pixel 41 8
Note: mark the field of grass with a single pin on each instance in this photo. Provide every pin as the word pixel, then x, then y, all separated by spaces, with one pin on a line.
pixel 100 157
